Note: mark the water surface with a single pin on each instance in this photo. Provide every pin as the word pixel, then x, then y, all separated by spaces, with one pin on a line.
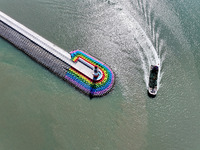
pixel 40 111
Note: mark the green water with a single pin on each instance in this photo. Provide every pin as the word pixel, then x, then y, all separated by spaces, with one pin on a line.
pixel 39 111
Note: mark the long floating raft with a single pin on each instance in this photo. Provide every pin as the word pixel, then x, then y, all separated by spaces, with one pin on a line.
pixel 81 70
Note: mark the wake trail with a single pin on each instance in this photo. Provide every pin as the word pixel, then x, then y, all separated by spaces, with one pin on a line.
pixel 149 55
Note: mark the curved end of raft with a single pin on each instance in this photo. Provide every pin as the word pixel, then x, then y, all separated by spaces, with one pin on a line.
pixel 95 87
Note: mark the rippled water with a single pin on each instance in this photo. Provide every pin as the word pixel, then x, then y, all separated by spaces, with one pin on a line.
pixel 40 111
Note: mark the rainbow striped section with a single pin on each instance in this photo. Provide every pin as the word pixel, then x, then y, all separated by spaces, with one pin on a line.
pixel 85 84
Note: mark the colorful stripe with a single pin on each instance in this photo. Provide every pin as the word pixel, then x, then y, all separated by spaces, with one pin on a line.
pixel 88 86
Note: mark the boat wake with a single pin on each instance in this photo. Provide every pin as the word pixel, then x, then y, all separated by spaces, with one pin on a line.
pixel 148 53
pixel 151 54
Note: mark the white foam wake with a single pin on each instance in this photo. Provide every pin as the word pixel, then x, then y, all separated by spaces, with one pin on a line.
pixel 149 55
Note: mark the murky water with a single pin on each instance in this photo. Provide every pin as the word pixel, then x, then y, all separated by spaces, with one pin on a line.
pixel 40 111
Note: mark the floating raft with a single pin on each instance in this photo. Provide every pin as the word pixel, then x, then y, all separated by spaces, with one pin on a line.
pixel 77 68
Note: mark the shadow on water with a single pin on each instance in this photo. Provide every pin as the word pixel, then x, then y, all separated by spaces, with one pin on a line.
pixel 92 88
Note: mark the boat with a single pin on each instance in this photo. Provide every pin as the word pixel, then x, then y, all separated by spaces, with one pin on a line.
pixel 152 90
